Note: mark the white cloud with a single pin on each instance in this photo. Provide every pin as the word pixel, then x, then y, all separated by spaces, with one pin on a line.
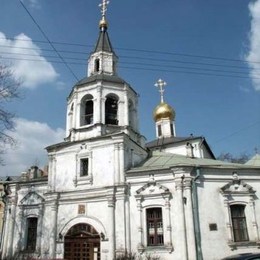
pixel 32 137
pixel 27 61
pixel 33 3
pixel 254 48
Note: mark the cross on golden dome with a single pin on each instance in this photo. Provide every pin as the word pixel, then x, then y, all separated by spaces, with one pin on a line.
pixel 160 84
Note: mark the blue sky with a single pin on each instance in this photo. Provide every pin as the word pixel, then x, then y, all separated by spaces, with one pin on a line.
pixel 208 52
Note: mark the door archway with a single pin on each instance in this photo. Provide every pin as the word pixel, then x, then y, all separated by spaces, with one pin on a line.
pixel 82 242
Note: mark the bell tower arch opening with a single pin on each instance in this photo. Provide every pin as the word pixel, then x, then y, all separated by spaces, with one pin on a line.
pixel 111 110
pixel 87 110
pixel 82 242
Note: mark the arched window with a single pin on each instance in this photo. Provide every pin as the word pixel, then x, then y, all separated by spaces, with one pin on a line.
pixel 111 109
pixel 87 110
pixel 97 65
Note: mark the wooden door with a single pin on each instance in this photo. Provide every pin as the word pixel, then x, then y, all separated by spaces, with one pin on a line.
pixel 82 242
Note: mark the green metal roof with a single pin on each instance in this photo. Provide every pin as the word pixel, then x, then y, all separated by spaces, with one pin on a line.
pixel 255 161
pixel 160 160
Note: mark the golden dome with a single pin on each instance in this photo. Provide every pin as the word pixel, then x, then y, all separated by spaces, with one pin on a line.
pixel 163 111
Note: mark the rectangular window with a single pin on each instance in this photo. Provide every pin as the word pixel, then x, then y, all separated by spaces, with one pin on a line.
pixel 84 167
pixel 239 223
pixel 154 224
pixel 31 234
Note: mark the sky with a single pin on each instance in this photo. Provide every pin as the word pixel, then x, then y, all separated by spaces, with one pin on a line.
pixel 208 52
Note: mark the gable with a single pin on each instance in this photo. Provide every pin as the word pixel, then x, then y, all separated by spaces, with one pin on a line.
pixel 152 188
pixel 32 198
pixel 237 186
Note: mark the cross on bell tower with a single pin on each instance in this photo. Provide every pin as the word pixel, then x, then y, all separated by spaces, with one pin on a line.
pixel 103 6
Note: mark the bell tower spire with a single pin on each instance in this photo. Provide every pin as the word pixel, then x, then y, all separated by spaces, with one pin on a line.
pixel 103 59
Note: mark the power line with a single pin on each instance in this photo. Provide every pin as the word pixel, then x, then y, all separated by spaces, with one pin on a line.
pixel 148 51
pixel 46 37
pixel 237 132
pixel 157 69
pixel 132 63
pixel 130 57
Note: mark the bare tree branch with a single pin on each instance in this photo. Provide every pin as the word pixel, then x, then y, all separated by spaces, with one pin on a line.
pixel 9 90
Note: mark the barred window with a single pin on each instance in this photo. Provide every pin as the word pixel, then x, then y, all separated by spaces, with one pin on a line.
pixel 239 223
pixel 154 227
pixel 31 234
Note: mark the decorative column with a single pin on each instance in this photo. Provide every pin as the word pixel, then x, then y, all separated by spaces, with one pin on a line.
pixel 121 163
pixel 168 235
pixel 121 114
pixel 97 106
pixel 111 217
pixel 21 239
pixel 12 213
pixel 126 108
pixel 228 221
pixel 127 220
pixel 78 114
pixel 181 228
pixel 53 226
pixel 116 164
pixel 39 229
pixel 140 227
pixel 189 220
pixel 102 110
pixel 254 221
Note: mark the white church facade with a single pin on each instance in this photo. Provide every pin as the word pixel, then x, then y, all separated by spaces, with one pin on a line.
pixel 107 192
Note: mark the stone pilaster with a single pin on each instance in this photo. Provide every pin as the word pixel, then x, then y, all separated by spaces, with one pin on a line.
pixel 181 227
pixel 189 220
pixel 111 217
pixel 53 228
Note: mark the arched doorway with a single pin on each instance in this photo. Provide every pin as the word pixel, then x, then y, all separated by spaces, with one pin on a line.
pixel 82 242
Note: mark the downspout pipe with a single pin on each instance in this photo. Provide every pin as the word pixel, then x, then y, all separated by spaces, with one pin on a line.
pixel 195 207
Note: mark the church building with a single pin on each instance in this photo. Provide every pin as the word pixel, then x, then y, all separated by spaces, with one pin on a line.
pixel 107 193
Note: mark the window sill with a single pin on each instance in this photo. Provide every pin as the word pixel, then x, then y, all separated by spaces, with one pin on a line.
pixel 157 249
pixel 82 180
pixel 236 245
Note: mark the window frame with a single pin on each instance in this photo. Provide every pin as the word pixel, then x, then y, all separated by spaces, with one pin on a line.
pixel 84 154
pixel 239 192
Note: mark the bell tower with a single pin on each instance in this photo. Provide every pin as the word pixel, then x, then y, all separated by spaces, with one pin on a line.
pixel 102 103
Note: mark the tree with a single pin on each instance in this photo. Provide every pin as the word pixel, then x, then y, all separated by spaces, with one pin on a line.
pixel 228 157
pixel 9 90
